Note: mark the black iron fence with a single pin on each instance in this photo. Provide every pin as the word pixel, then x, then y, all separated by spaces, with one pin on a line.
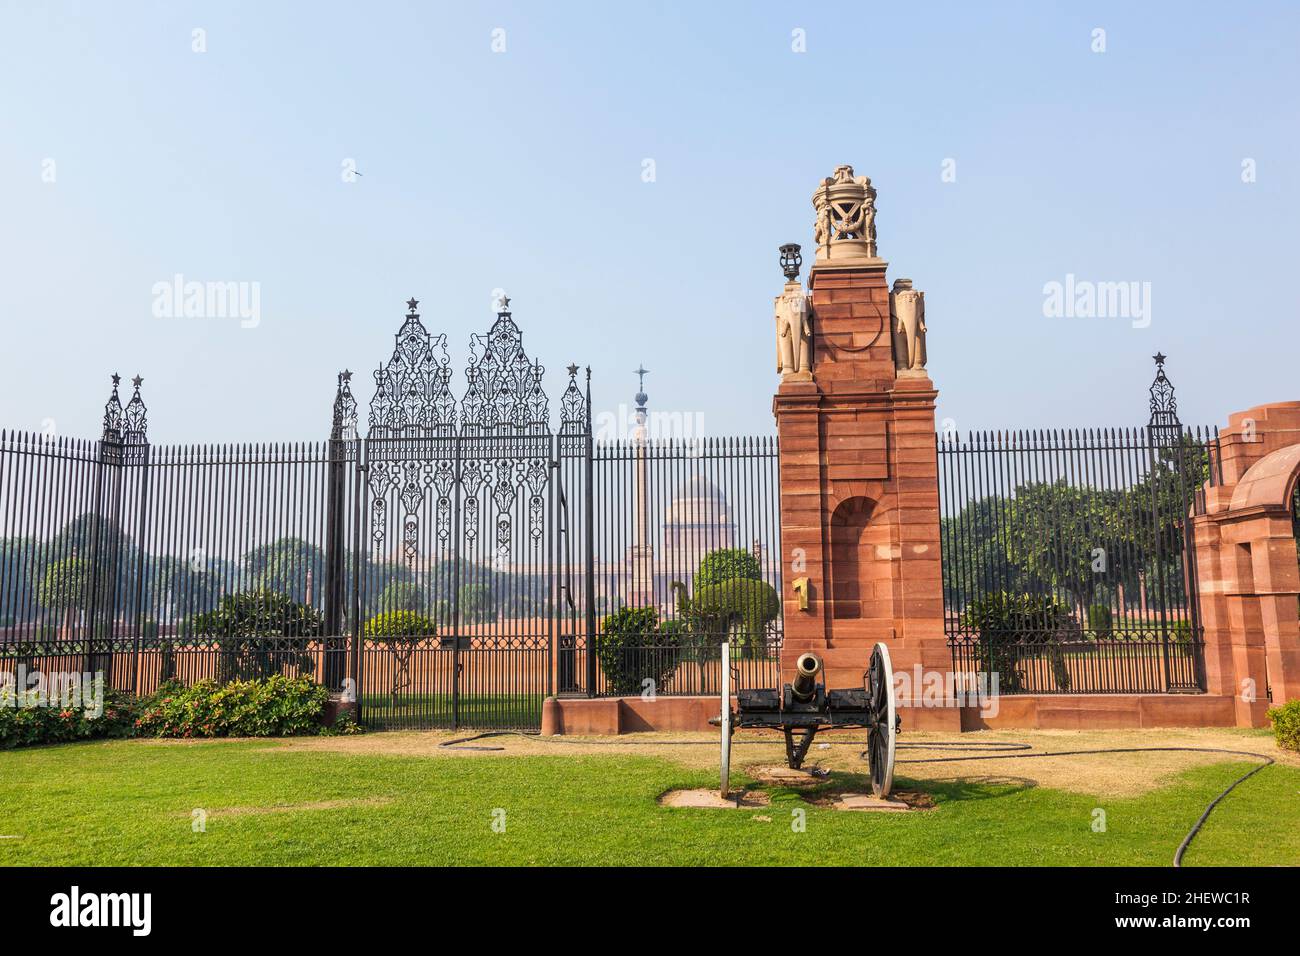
pixel 686 555
pixel 453 567
pixel 159 563
pixel 1068 562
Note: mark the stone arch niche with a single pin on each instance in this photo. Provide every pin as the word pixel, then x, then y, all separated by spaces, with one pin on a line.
pixel 849 524
pixel 863 571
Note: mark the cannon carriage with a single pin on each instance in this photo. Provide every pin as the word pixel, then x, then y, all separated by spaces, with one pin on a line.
pixel 804 706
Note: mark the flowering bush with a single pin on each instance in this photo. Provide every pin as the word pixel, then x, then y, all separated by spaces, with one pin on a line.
pixel 275 706
pixel 27 722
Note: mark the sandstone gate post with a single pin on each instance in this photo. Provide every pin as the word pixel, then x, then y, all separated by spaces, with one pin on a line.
pixel 859 466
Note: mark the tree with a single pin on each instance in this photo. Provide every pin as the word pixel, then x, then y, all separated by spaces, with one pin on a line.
pixel 975 551
pixel 477 603
pixel 19 558
pixel 282 566
pixel 1014 626
pixel 111 555
pixel 401 596
pixel 1060 532
pixel 260 633
pixel 176 589
pixel 401 632
pixel 65 589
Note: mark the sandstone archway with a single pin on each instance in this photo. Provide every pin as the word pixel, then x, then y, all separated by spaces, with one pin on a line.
pixel 1247 557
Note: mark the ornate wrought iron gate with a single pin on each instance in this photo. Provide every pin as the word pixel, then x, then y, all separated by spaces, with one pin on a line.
pixel 460 579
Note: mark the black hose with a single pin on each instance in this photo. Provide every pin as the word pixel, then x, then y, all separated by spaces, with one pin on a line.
pixel 1191 834
pixel 984 748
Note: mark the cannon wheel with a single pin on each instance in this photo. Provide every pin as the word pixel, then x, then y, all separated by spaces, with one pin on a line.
pixel 880 745
pixel 725 723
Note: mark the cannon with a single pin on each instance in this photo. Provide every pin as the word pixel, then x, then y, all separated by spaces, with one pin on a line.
pixel 804 706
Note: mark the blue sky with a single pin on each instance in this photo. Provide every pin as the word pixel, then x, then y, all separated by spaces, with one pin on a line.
pixel 523 170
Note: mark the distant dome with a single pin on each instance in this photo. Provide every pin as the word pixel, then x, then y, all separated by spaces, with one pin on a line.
pixel 699 501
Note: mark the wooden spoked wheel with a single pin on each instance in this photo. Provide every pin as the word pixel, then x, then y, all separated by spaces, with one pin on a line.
pixel 883 729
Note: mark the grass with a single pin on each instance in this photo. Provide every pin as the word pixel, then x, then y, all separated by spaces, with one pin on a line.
pixel 427 711
pixel 130 802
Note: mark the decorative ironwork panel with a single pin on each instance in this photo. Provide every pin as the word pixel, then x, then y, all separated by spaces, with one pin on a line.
pixel 344 425
pixel 126 429
pixel 505 387
pixel 1164 421
pixel 413 391
pixel 478 470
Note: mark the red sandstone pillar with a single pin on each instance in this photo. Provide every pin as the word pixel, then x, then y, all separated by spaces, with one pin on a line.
pixel 859 468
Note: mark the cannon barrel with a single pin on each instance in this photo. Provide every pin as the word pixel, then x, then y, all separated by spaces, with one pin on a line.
pixel 807 667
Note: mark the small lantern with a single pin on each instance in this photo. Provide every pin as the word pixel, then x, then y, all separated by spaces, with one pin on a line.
pixel 791 260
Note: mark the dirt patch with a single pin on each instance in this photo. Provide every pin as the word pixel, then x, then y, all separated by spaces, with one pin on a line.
pixel 297 807
pixel 1052 762
pixel 900 801
pixel 783 776
pixel 1100 774
pixel 711 800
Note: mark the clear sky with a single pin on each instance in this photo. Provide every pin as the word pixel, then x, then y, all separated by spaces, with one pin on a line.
pixel 525 170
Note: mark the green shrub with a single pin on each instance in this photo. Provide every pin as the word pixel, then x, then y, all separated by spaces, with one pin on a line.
pixel 633 647
pixel 727 564
pixel 275 706
pixel 1007 621
pixel 26 721
pixel 260 633
pixel 1286 725
pixel 1100 621
pixel 739 609
pixel 400 625
pixel 345 725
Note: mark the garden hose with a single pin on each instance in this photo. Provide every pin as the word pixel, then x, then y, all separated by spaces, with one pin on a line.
pixel 987 751
pixel 1191 834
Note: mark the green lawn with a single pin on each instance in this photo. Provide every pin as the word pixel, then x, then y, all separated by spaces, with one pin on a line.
pixel 430 711
pixel 130 802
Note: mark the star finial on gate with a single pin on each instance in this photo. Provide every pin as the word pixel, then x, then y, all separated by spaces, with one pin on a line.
pixel 573 371
pixel 137 381
pixel 411 303
pixel 1160 358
